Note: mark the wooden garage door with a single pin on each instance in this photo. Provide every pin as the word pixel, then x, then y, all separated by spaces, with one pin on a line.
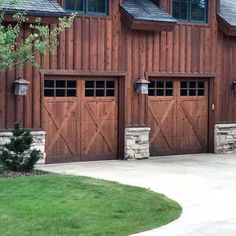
pixel 178 116
pixel 80 119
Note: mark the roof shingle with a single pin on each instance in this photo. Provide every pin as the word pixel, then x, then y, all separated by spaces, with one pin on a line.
pixel 228 11
pixel 146 10
pixel 34 7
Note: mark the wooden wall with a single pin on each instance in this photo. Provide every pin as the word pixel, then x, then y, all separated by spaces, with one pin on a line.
pixel 105 44
pixel 226 71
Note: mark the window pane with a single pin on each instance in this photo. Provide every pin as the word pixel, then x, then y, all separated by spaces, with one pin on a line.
pixel 69 5
pixel 169 92
pixel 60 93
pixel 74 5
pixel 183 10
pixel 110 93
pixel 49 92
pixel 89 93
pixel 97 6
pixel 71 84
pixel 160 84
pixel 71 93
pixel 60 83
pixel 92 5
pixel 201 84
pixel 49 83
pixel 201 92
pixel 184 84
pixel 101 6
pixel 110 84
pixel 198 10
pixel 152 84
pixel 100 84
pixel 89 84
pixel 180 9
pixel 151 92
pixel 184 92
pixel 192 92
pixel 160 92
pixel 169 84
pixel 192 84
pixel 78 5
pixel 100 93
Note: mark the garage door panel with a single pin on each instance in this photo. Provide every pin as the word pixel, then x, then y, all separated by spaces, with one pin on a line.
pixel 162 124
pixel 179 123
pixel 60 124
pixel 83 127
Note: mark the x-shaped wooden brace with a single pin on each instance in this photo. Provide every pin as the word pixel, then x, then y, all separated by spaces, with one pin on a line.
pixel 99 127
pixel 60 126
pixel 192 122
pixel 159 125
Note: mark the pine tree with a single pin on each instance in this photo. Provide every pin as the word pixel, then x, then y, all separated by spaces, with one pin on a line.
pixel 17 155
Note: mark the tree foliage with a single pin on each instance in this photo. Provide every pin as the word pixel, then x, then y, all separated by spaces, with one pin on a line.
pixel 17 154
pixel 16 50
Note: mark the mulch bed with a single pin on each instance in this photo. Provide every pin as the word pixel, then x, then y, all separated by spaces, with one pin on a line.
pixel 11 174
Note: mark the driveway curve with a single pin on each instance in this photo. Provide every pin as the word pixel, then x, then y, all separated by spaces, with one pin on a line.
pixel 204 185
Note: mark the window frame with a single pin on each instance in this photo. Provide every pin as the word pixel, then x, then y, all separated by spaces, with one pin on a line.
pixel 87 12
pixel 189 14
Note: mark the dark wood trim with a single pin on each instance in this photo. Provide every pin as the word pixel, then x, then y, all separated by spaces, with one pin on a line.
pixel 211 114
pixel 192 75
pixel 121 118
pixel 83 73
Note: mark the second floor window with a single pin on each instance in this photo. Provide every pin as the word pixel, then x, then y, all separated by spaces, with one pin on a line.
pixel 99 7
pixel 191 10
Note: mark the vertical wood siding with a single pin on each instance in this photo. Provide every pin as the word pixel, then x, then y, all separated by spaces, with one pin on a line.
pixel 105 44
pixel 226 69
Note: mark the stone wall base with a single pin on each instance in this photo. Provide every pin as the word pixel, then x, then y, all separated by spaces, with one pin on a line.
pixel 38 142
pixel 225 138
pixel 137 143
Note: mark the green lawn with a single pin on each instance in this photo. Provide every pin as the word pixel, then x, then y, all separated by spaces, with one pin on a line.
pixel 67 205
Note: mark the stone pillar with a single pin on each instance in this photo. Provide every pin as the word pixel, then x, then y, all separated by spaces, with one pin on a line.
pixel 38 142
pixel 225 138
pixel 137 143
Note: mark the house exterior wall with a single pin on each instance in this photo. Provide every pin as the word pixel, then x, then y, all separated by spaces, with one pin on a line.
pixel 106 45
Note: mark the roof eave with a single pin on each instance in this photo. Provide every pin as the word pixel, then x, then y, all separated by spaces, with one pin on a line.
pixel 36 13
pixel 144 24
pixel 225 26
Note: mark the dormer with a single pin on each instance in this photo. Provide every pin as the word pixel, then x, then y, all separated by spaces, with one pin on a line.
pixel 146 15
pixel 227 17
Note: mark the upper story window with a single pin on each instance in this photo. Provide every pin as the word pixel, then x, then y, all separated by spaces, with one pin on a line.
pixel 191 10
pixel 99 7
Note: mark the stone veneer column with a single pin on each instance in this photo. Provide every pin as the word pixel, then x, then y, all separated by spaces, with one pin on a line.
pixel 137 143
pixel 225 138
pixel 38 142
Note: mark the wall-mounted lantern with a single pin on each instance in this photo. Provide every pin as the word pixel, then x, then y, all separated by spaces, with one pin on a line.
pixel 141 86
pixel 21 86
pixel 234 86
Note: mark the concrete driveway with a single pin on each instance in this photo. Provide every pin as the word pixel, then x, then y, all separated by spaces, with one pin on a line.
pixel 205 186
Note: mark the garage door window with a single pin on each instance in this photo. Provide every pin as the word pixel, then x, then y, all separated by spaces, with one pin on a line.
pixel 160 88
pixel 192 88
pixel 60 88
pixel 99 88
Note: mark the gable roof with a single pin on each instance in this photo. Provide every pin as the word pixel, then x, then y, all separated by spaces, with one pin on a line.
pixel 146 10
pixel 34 8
